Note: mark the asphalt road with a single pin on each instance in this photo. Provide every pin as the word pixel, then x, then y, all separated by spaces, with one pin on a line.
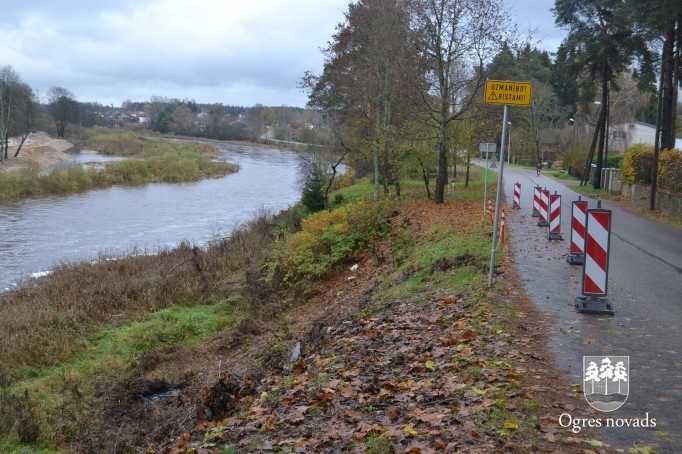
pixel 644 287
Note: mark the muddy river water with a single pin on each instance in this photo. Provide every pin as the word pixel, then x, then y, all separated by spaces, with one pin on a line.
pixel 38 233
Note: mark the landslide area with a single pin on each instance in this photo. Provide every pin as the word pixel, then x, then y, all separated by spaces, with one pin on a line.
pixel 398 346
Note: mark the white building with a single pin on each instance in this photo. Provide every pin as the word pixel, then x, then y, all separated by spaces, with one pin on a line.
pixel 627 134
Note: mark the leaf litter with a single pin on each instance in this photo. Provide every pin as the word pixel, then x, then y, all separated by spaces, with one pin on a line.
pixel 449 373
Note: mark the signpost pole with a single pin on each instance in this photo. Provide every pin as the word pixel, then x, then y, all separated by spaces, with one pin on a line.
pixel 504 92
pixel 497 201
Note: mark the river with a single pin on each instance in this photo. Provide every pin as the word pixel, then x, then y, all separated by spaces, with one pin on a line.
pixel 40 233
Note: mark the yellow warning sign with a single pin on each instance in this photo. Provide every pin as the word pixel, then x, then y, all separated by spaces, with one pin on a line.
pixel 507 92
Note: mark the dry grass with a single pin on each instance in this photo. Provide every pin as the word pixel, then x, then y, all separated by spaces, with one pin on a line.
pixel 45 324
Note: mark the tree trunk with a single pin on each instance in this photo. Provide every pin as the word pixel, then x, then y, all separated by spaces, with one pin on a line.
pixel 23 139
pixel 602 126
pixel 667 139
pixel 425 177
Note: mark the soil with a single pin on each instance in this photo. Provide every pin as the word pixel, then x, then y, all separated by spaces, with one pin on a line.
pixel 380 376
pixel 38 149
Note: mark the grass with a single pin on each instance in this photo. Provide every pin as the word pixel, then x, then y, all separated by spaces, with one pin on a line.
pixel 87 325
pixel 149 161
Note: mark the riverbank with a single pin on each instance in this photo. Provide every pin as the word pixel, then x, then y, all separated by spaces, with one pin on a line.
pixel 143 160
pixel 39 150
pixel 195 350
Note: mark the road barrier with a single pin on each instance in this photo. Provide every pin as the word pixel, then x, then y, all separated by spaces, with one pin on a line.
pixel 536 201
pixel 491 211
pixel 554 217
pixel 502 226
pixel 544 202
pixel 516 204
pixel 596 266
pixel 578 218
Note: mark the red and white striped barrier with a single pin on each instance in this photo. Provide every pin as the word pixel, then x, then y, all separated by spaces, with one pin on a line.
pixel 554 217
pixel 578 218
pixel 491 212
pixel 596 266
pixel 502 226
pixel 516 204
pixel 536 201
pixel 544 206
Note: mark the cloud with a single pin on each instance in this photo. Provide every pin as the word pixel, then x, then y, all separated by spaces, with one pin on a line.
pixel 239 52
pixel 236 52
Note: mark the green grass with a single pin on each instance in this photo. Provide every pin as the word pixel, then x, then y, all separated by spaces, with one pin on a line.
pixel 117 347
pixel 149 161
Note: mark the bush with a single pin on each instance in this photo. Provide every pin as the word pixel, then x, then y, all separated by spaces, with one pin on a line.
pixel 670 171
pixel 329 238
pixel 637 164
pixel 313 196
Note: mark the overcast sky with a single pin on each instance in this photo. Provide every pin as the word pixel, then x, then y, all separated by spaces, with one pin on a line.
pixel 238 52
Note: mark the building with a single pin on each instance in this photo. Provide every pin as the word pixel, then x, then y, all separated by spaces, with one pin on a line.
pixel 625 135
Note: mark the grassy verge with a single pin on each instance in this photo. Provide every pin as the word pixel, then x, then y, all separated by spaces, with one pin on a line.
pixel 78 347
pixel 149 161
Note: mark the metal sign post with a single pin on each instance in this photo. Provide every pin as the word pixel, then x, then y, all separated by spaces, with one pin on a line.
pixel 504 92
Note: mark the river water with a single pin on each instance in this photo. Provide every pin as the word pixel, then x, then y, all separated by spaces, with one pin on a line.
pixel 38 233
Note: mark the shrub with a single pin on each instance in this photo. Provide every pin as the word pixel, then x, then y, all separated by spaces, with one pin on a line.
pixel 637 163
pixel 313 196
pixel 329 238
pixel 670 171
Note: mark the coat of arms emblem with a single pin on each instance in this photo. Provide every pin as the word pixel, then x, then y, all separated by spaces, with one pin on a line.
pixel 606 382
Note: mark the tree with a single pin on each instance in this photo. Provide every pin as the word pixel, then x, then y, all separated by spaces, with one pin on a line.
pixel 26 114
pixel 9 81
pixel 601 44
pixel 532 65
pixel 363 88
pixel 451 34
pixel 62 107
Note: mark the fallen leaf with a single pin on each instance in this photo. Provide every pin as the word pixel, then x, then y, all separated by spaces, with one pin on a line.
pixel 410 432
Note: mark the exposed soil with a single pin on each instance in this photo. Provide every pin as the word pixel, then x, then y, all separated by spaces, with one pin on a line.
pixel 441 372
pixel 39 148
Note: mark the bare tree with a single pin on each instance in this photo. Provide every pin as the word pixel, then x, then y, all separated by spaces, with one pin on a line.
pixel 451 33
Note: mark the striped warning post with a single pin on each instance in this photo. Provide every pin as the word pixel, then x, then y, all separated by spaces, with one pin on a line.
pixel 502 226
pixel 491 212
pixel 577 247
pixel 536 201
pixel 554 217
pixel 516 204
pixel 544 206
pixel 597 242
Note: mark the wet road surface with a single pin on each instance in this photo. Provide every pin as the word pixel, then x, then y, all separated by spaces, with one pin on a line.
pixel 644 286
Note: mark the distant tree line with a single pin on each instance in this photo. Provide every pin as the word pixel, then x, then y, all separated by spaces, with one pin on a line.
pixel 22 112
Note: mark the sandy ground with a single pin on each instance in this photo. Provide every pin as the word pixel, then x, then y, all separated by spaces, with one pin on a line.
pixel 38 148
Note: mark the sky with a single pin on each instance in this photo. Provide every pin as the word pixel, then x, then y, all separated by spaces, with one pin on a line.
pixel 237 52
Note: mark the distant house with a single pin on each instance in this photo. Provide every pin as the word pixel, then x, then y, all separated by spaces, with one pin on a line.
pixel 625 135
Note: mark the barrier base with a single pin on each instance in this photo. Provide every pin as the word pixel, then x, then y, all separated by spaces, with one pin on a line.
pixel 554 236
pixel 593 305
pixel 536 214
pixel 516 207
pixel 543 223
pixel 576 259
